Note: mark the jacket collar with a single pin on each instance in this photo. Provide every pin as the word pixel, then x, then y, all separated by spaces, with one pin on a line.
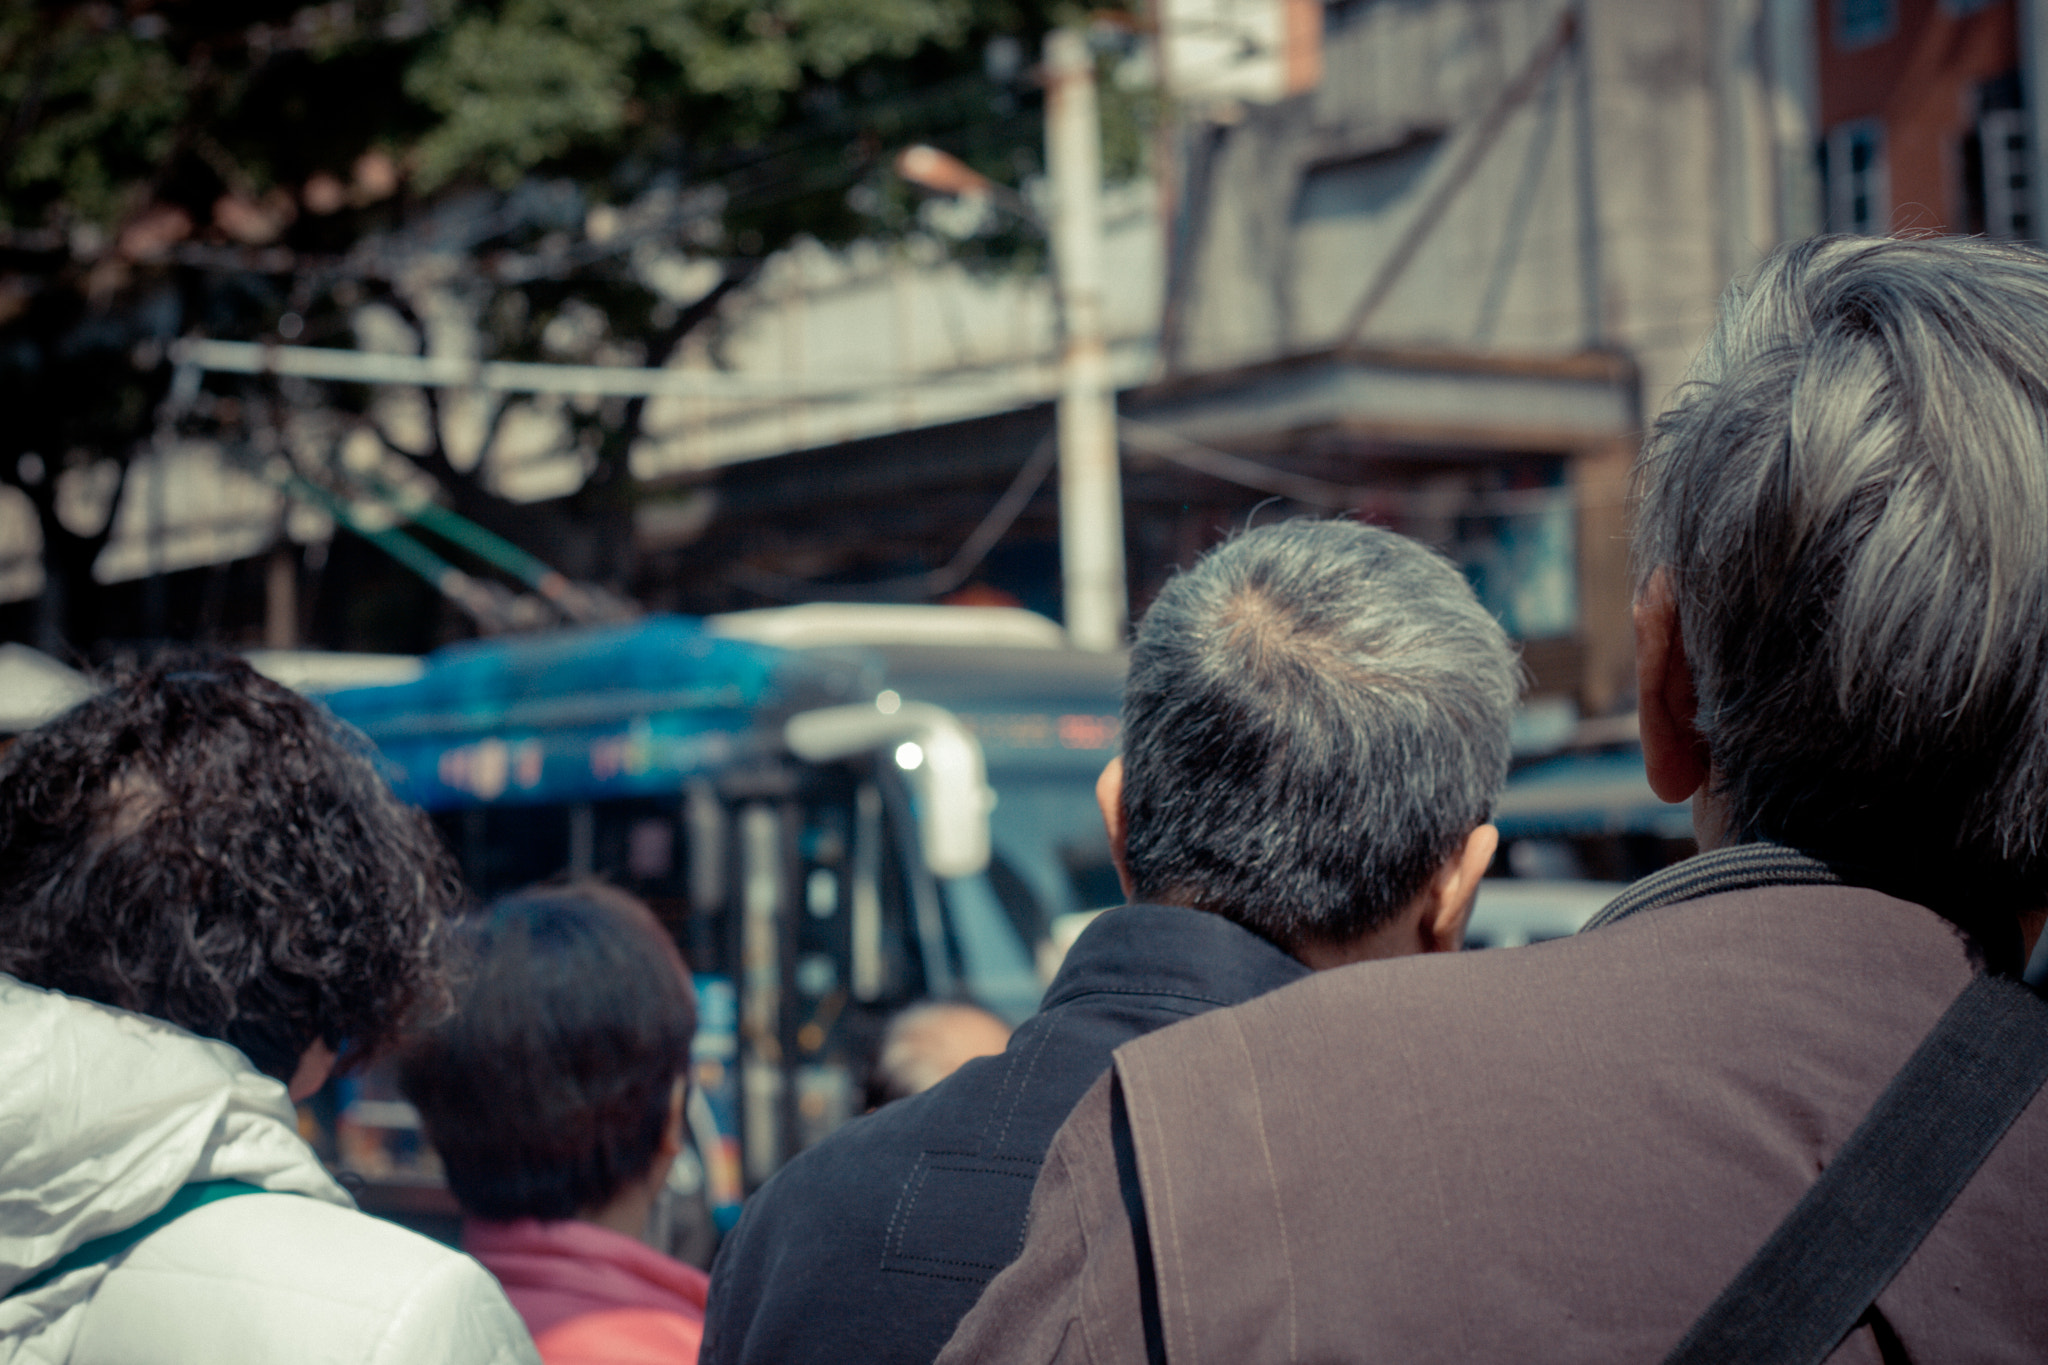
pixel 1743 867
pixel 573 1256
pixel 1173 951
pixel 1747 867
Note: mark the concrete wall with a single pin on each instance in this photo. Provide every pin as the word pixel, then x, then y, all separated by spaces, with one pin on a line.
pixel 891 338
pixel 1308 198
pixel 1551 196
pixel 1644 168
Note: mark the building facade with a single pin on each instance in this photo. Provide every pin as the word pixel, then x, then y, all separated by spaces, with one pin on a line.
pixel 1429 262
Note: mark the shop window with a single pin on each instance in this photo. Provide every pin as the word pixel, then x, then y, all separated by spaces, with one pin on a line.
pixel 1347 217
pixel 1859 23
pixel 1852 167
pixel 1996 175
pixel 1366 187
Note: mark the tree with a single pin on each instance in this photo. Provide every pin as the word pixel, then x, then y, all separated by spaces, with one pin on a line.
pixel 144 151
pixel 567 179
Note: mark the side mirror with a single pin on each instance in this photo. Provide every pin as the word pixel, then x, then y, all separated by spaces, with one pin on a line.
pixel 940 758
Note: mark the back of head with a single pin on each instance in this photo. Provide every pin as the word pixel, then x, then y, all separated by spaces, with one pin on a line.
pixel 547 1091
pixel 1316 716
pixel 200 844
pixel 928 1042
pixel 1851 503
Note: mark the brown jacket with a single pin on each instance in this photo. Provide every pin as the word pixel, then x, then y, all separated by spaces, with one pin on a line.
pixel 1557 1153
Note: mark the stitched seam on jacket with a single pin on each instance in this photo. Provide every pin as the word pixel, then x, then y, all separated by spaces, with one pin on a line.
pixel 1007 1104
pixel 948 1260
pixel 1272 1184
pixel 901 1215
pixel 939 1275
pixel 1012 1059
pixel 893 1246
pixel 1032 1162
pixel 943 1260
pixel 1011 1112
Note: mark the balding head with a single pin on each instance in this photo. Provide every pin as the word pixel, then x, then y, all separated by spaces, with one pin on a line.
pixel 926 1043
pixel 1316 719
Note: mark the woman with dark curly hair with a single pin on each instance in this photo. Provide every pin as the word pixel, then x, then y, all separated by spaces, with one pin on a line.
pixel 206 894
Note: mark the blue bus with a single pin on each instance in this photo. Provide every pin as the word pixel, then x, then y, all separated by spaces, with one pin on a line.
pixel 818 847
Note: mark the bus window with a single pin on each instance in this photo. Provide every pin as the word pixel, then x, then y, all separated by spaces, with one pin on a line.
pixel 996 968
pixel 502 848
pixel 1048 835
pixel 639 844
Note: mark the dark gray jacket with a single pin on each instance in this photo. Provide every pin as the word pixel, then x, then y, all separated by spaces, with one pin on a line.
pixel 873 1245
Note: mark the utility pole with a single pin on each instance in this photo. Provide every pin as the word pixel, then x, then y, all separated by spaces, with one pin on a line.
pixel 1091 489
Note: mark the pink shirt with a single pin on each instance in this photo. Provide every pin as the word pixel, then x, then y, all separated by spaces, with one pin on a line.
pixel 559 1274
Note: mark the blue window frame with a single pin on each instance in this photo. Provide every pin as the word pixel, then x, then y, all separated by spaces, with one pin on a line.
pixel 1859 23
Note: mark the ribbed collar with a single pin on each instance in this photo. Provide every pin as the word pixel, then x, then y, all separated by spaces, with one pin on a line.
pixel 557 1270
pixel 1743 867
pixel 1748 867
pixel 1168 950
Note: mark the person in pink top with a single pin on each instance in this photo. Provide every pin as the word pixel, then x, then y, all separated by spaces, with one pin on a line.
pixel 554 1095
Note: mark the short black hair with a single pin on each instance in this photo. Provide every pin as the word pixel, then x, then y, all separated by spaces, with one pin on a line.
pixel 200 844
pixel 547 1089
pixel 1317 714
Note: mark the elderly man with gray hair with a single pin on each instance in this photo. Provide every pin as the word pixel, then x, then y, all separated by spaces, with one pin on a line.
pixel 1315 727
pixel 1754 1113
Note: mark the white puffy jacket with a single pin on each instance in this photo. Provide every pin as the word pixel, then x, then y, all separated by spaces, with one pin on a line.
pixel 103 1116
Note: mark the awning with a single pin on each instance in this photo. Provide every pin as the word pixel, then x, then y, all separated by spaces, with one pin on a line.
pixel 1415 397
pixel 573 715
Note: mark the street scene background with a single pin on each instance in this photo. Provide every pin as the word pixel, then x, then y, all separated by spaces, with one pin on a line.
pixel 579 394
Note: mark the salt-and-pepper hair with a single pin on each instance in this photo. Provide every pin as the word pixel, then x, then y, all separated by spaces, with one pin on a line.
pixel 1316 716
pixel 1851 500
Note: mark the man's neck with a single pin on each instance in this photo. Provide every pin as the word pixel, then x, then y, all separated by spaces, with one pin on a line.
pixel 628 1211
pixel 1389 940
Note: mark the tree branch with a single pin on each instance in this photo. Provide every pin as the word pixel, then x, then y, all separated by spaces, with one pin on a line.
pixel 386 439
pixel 492 425
pixel 126 465
pixel 738 275
pixel 434 460
pixel 616 444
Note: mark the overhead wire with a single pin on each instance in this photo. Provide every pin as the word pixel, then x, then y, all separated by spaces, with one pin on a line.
pixel 1314 492
pixel 937 582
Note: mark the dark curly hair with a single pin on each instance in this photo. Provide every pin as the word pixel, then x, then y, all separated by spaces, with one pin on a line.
pixel 200 844
pixel 546 1092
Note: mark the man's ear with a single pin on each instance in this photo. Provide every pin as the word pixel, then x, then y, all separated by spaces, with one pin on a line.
pixel 1109 798
pixel 1673 753
pixel 1448 905
pixel 316 1064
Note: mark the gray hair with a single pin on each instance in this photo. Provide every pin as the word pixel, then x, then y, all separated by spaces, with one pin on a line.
pixel 1851 501
pixel 1316 716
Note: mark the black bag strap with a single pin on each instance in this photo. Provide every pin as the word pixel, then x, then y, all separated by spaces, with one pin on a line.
pixel 1886 1189
pixel 1126 1150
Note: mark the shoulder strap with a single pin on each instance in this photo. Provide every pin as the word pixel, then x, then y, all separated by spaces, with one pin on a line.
pixel 1886 1189
pixel 188 1197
